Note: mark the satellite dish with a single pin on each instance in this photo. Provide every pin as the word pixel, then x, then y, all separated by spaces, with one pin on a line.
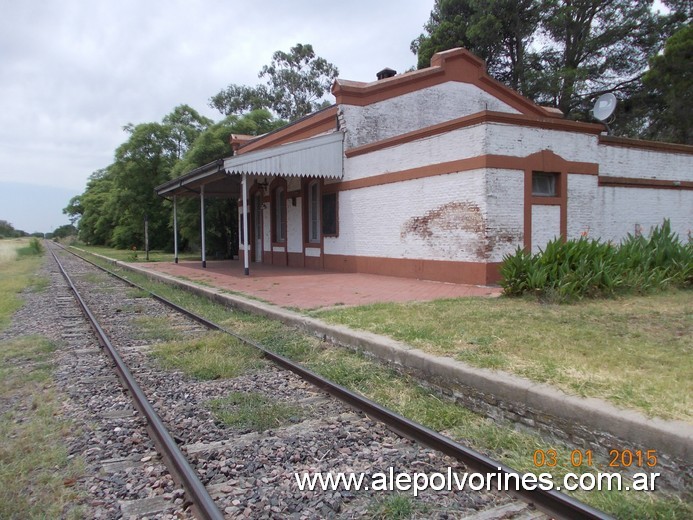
pixel 604 107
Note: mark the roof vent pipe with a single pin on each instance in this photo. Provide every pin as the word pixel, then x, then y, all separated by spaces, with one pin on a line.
pixel 386 73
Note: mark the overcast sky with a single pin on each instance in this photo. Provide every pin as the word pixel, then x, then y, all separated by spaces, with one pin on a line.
pixel 74 72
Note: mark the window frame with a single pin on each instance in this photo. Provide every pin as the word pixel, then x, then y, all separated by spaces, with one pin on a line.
pixel 555 177
pixel 278 205
pixel 314 215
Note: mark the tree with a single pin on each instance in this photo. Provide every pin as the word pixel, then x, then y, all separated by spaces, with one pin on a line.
pixel 141 163
pixel 589 46
pixel 117 199
pixel 669 90
pixel 96 209
pixel 68 230
pixel 74 209
pixel 220 214
pixel 296 83
pixel 498 31
pixel 596 46
pixel 184 124
pixel 239 99
pixel 7 230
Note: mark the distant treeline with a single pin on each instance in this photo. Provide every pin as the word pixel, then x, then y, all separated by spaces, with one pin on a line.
pixel 7 230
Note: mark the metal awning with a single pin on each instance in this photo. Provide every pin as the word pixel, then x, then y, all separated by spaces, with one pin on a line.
pixel 320 156
pixel 212 176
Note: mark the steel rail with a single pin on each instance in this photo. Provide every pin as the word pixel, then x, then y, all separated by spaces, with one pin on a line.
pixel 202 502
pixel 552 502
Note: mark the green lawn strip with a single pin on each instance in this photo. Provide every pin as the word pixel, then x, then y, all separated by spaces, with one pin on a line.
pixel 633 351
pixel 36 476
pixel 17 272
pixel 405 396
pixel 128 255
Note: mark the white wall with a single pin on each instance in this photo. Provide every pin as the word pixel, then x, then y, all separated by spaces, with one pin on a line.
pixel 505 212
pixel 437 218
pixel 457 144
pixel 582 206
pixel 546 225
pixel 622 161
pixel 621 210
pixel 519 141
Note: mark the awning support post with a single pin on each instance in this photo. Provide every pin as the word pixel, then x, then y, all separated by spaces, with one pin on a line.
pixel 202 224
pixel 246 266
pixel 175 231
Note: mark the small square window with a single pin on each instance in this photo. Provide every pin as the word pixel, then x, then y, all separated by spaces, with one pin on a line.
pixel 544 184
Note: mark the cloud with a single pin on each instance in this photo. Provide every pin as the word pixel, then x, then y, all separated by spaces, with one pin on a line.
pixel 74 72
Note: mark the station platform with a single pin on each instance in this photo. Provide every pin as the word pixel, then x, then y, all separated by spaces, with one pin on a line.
pixel 314 289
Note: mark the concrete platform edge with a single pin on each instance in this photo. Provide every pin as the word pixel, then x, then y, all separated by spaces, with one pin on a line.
pixel 674 438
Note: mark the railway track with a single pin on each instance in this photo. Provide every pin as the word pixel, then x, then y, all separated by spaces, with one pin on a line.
pixel 236 471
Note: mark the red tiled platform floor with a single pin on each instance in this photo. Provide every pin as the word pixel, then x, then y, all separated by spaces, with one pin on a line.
pixel 311 289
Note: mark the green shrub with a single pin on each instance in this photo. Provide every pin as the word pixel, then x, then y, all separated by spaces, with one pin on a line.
pixel 581 268
pixel 35 248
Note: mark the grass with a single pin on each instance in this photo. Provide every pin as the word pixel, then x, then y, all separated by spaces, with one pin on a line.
pixel 214 356
pixel 8 250
pixel 253 411
pixel 156 328
pixel 407 397
pixel 632 351
pixel 36 476
pixel 16 274
pixel 128 255
pixel 393 507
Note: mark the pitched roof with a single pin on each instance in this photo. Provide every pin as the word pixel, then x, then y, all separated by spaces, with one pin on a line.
pixel 452 65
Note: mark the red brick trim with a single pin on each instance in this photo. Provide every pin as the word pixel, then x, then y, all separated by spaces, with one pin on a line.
pixel 540 161
pixel 486 116
pixel 310 126
pixel 659 146
pixel 477 273
pixel 295 260
pixel 453 65
pixel 633 182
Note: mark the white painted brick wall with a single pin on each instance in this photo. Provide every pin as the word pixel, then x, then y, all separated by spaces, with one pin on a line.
pixel 620 210
pixel 520 141
pixel 451 146
pixel 434 218
pixel 620 161
pixel 582 206
pixel 505 212
pixel 415 110
pixel 546 225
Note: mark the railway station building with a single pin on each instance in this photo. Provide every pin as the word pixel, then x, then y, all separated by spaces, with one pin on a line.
pixel 437 174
